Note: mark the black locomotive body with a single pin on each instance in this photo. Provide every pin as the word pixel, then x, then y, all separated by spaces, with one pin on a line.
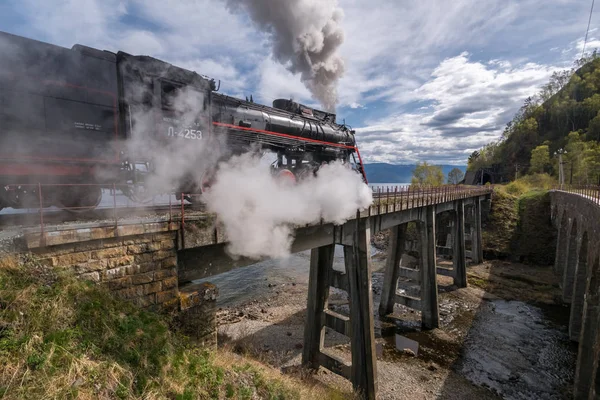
pixel 81 116
pixel 301 137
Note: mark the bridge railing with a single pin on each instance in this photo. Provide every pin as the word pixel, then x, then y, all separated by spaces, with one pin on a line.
pixel 41 207
pixel 45 204
pixel 398 198
pixel 590 191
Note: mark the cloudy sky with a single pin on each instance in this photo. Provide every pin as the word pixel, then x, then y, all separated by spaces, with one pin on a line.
pixel 428 80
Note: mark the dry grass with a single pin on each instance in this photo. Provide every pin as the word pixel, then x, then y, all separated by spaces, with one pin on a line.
pixel 61 338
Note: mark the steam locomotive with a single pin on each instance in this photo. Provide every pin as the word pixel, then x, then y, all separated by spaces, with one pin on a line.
pixel 78 120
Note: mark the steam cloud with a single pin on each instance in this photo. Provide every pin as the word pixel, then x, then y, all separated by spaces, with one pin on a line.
pixel 259 212
pixel 305 35
pixel 178 160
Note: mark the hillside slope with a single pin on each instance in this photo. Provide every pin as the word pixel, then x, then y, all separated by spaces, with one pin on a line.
pixel 564 116
pixel 65 339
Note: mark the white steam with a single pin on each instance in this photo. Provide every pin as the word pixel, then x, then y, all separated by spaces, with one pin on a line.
pixel 306 35
pixel 259 212
pixel 182 151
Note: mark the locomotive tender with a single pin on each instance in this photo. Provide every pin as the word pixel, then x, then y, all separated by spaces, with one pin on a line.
pixel 69 117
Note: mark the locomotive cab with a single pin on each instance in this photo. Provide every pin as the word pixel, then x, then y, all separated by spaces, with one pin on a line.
pixel 167 113
pixel 58 124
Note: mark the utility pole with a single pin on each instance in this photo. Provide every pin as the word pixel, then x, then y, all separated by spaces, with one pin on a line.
pixel 561 168
pixel 561 172
pixel 571 180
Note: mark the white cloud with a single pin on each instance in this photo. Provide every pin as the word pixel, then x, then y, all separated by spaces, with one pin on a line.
pixel 407 80
pixel 591 45
pixel 470 104
pixel 233 81
pixel 141 42
pixel 66 22
pixel 277 82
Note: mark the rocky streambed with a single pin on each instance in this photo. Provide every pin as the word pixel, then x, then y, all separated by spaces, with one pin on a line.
pixel 502 337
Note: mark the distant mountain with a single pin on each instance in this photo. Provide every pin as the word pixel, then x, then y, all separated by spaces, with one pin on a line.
pixel 390 173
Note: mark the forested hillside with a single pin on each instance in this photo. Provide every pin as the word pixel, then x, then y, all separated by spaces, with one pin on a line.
pixel 563 117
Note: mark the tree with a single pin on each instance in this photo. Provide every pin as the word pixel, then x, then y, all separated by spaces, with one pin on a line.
pixel 566 114
pixel 472 160
pixel 575 158
pixel 540 159
pixel 428 175
pixel 454 176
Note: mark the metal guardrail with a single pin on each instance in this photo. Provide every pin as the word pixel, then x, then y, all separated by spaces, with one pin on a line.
pixel 590 191
pixel 398 198
pixel 115 207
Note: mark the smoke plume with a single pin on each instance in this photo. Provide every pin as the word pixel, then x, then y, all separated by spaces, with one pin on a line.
pixel 260 212
pixel 305 35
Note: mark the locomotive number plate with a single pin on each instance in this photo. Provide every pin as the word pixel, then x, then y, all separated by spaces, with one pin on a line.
pixel 185 133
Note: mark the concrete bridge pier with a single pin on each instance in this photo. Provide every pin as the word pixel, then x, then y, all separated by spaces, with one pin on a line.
pixel 356 280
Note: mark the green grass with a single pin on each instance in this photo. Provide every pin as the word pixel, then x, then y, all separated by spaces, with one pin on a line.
pixel 61 338
pixel 499 229
pixel 535 237
pixel 519 224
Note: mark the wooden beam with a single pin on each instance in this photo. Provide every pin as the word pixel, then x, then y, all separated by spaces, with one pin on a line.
pixel 408 301
pixel 430 318
pixel 339 280
pixel 445 271
pixel 338 322
pixel 392 269
pixel 412 274
pixel 321 263
pixel 335 364
pixel 459 260
pixel 362 341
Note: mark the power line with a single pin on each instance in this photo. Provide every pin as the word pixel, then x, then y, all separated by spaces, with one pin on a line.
pixel 588 29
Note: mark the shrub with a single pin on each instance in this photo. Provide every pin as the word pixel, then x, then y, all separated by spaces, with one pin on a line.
pixel 517 188
pixel 539 181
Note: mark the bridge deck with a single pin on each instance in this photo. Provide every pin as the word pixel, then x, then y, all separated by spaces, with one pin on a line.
pixel 151 251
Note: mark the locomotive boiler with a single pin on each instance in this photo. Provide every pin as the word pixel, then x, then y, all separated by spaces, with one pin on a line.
pixel 302 138
pixel 75 121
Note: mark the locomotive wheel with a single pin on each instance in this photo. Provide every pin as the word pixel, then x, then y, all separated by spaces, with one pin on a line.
pixel 286 177
pixel 79 199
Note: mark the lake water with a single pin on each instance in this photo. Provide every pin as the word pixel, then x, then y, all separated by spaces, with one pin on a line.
pixel 241 285
pixel 388 185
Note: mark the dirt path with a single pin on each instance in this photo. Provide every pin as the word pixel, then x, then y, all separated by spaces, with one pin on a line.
pixel 502 337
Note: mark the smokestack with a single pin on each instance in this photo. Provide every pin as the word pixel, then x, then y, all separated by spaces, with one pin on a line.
pixel 305 35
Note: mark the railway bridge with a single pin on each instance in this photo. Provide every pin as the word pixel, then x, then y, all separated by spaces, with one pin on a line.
pixel 156 261
pixel 576 215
